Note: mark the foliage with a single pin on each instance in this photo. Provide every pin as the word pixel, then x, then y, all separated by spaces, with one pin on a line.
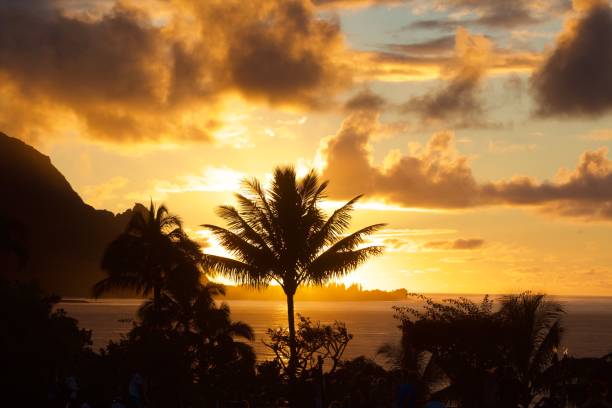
pixel 485 355
pixel 360 382
pixel 38 345
pixel 192 353
pixel 315 343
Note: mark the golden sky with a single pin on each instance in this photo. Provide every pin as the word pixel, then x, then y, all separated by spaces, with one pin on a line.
pixel 478 130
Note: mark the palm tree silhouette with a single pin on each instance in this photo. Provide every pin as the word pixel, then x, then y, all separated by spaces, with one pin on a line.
pixel 150 255
pixel 281 235
pixel 535 328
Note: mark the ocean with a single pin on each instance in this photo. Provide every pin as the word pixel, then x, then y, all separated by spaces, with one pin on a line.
pixel 588 321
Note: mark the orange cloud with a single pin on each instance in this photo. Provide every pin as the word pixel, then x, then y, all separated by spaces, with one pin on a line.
pixel 127 74
pixel 434 176
pixel 459 243
pixel 437 176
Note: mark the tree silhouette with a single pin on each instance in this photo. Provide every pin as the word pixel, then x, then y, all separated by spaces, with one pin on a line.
pixel 281 235
pixel 315 343
pixel 152 252
pixel 454 343
pixel 188 347
pixel 535 326
pixel 505 357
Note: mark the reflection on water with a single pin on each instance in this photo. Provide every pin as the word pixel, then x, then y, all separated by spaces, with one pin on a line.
pixel 588 321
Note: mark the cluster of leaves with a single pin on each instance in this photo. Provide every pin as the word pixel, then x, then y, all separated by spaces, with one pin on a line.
pixel 315 343
pixel 474 353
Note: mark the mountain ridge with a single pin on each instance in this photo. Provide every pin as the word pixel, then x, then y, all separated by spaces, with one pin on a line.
pixel 65 236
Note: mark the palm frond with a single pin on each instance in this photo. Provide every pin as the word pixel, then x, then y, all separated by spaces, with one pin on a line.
pixel 335 225
pixel 242 330
pixel 242 249
pixel 240 272
pixel 110 284
pixel 355 239
pixel 171 222
pixel 335 264
pixel 241 227
pixel 547 346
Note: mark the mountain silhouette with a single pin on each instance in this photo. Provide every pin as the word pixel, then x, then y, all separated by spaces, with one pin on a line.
pixel 65 237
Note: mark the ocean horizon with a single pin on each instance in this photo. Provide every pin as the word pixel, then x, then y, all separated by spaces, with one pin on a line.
pixel 588 332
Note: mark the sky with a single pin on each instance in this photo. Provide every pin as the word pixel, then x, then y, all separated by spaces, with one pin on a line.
pixel 478 130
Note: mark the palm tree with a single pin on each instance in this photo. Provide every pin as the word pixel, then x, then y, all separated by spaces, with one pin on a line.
pixel 281 235
pixel 535 329
pixel 151 252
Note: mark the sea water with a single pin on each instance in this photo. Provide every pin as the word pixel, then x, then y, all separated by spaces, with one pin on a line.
pixel 588 321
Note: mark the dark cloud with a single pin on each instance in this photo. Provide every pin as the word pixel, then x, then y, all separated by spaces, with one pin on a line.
pixel 458 101
pixel 496 14
pixel 437 176
pixel 504 14
pixel 432 24
pixel 365 100
pixel 576 79
pixel 460 244
pixel 124 75
pixel 285 55
pixel 355 3
pixel 438 45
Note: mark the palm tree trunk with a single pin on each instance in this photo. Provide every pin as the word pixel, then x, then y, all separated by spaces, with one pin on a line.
pixel 292 345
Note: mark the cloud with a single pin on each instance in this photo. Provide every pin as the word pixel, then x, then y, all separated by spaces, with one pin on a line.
pixel 434 46
pixel 432 24
pixel 459 243
pixel 365 100
pixel 602 135
pixel 431 176
pixel 503 146
pixel 458 100
pixel 576 78
pixel 500 14
pixel 459 60
pixel 438 176
pixel 211 179
pixel 354 3
pixel 129 74
pixel 404 239
pixel 585 190
pixel 105 194
pixel 496 14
